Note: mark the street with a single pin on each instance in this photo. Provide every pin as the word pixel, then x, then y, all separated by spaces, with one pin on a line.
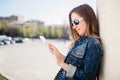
pixel 30 61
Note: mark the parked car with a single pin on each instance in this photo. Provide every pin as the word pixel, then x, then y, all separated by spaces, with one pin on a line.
pixel 18 40
pixel 4 39
pixel 1 43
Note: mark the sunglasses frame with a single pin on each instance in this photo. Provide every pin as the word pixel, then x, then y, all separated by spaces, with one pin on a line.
pixel 76 21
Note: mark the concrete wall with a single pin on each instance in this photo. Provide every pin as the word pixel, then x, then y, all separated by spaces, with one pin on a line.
pixel 109 18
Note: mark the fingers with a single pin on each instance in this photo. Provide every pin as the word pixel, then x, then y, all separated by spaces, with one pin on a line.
pixel 51 47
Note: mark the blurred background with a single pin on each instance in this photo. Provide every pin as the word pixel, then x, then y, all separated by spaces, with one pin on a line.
pixel 24 18
pixel 23 56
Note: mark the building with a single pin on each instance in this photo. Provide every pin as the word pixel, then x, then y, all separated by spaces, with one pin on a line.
pixel 12 18
pixel 35 23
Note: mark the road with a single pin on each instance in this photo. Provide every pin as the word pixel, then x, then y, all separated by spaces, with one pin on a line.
pixel 30 60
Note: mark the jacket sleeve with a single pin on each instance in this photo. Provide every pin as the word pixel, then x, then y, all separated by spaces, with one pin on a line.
pixel 91 63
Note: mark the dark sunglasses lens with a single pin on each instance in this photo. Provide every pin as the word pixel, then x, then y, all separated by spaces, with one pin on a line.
pixel 76 22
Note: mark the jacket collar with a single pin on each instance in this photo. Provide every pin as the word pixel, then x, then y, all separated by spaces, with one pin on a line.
pixel 80 40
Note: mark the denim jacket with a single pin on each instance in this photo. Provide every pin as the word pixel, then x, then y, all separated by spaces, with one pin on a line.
pixel 83 60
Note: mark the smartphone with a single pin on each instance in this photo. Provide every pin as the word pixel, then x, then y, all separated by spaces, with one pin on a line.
pixel 43 40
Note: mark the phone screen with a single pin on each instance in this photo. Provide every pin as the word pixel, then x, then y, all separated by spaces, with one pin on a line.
pixel 43 39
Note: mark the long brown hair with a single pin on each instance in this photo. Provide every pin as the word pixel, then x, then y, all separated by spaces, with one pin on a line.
pixel 90 18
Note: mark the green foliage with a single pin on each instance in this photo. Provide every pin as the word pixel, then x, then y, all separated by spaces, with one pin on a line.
pixel 58 32
pixel 3 27
pixel 45 32
pixel 0 25
pixel 33 31
pixel 13 31
pixel 51 32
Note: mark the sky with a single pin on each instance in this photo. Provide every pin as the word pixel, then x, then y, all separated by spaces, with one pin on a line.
pixel 48 11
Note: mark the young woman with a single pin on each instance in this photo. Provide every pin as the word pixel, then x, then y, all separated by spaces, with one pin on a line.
pixel 84 57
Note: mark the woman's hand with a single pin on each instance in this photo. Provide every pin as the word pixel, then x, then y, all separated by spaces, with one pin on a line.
pixel 59 57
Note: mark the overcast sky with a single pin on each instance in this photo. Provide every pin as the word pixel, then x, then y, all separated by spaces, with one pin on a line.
pixel 49 11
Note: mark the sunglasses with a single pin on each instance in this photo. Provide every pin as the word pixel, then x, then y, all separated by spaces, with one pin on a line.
pixel 76 21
